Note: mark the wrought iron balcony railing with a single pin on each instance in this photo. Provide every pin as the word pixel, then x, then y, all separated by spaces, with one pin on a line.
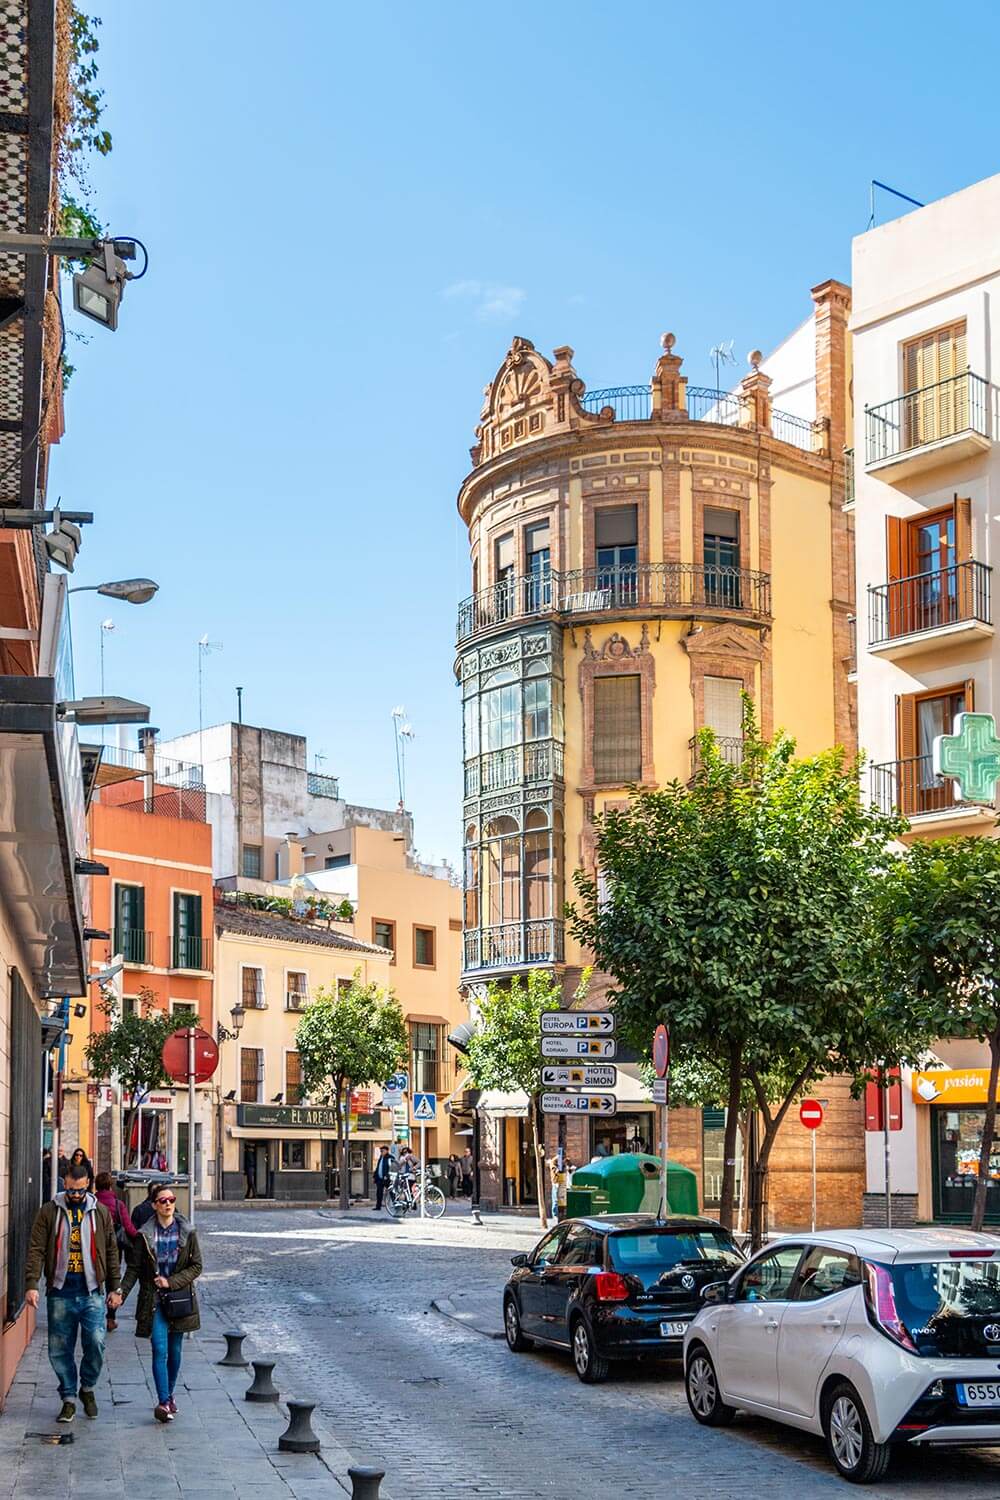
pixel 928 601
pixel 634 403
pixel 942 410
pixel 673 587
pixel 730 747
pixel 514 943
pixel 134 946
pixel 190 952
pixel 910 787
pixel 516 765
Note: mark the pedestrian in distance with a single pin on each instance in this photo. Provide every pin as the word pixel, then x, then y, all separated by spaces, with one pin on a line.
pixel 250 1171
pixel 468 1171
pixel 165 1260
pixel 145 1211
pixel 382 1169
pixel 81 1159
pixel 454 1175
pixel 73 1241
pixel 124 1228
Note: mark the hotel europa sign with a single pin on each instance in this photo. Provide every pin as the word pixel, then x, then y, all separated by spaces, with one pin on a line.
pixel 295 1117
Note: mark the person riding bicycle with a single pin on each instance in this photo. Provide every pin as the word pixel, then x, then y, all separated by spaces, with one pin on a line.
pixel 407 1166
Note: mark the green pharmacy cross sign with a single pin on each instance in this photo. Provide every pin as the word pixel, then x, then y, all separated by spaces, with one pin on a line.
pixel 971 755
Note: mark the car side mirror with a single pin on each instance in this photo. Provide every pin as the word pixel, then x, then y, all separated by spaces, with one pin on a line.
pixel 716 1292
pixel 519 1260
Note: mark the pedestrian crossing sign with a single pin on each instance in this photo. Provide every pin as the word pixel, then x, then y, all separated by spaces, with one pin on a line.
pixel 424 1107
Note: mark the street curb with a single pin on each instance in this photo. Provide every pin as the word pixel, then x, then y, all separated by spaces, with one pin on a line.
pixel 447 1309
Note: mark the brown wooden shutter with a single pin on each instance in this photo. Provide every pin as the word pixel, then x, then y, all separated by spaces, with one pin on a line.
pixel 965 581
pixel 970 695
pixel 908 767
pixel 963 529
pixel 896 568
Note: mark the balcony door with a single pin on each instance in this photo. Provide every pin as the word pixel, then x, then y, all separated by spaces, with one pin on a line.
pixel 932 565
pixel 936 402
pixel 187 931
pixel 538 569
pixel 721 552
pixel 616 553
pixel 130 923
pixel 921 717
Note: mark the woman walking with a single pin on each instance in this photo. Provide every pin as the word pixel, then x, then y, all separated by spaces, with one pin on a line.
pixel 165 1259
pixel 81 1159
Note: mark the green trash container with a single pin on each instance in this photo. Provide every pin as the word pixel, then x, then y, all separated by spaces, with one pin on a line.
pixel 630 1183
pixel 579 1203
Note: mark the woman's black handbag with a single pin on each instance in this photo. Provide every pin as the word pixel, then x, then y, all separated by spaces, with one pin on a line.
pixel 176 1304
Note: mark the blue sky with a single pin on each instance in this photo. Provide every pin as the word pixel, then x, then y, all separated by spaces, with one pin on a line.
pixel 350 211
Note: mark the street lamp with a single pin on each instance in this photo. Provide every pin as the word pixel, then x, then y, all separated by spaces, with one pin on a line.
pixel 99 288
pixel 132 590
pixel 238 1015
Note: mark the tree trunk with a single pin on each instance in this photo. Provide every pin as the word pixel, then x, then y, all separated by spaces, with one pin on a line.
pixel 726 1205
pixel 344 1094
pixel 989 1125
pixel 127 1138
pixel 758 1170
pixel 536 1149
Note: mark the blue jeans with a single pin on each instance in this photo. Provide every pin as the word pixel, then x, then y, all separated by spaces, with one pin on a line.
pixel 67 1314
pixel 167 1346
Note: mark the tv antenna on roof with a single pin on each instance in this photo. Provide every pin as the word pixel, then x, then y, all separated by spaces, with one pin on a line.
pixel 722 354
pixel 204 647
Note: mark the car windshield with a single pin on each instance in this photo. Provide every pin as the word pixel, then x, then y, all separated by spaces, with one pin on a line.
pixel 948 1306
pixel 655 1256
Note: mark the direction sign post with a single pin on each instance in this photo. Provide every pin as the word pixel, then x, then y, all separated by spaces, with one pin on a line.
pixel 579 1046
pixel 562 1077
pixel 579 1104
pixel 424 1109
pixel 811 1115
pixel 578 1022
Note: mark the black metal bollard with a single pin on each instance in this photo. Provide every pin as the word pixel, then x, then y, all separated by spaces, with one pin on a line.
pixel 263 1388
pixel 234 1358
pixel 298 1436
pixel 365 1482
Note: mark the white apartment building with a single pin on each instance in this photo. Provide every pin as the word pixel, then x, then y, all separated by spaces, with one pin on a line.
pixel 926 354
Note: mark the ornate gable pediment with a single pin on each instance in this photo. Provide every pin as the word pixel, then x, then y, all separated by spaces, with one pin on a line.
pixel 725 640
pixel 528 399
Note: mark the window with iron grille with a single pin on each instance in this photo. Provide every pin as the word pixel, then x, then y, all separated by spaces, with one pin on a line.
pixel 293 1078
pixel 297 988
pixel 24 1085
pixel 253 989
pixel 617 730
pixel 424 1054
pixel 251 1075
pixel 251 861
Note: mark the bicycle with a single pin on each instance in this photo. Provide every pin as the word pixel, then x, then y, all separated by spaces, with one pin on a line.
pixel 404 1194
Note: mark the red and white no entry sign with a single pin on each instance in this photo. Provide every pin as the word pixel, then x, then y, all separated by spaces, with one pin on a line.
pixel 811 1113
pixel 661 1051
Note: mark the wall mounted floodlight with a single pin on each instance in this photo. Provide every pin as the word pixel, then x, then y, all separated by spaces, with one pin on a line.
pixel 132 590
pixel 62 543
pixel 83 866
pixel 103 711
pixel 98 291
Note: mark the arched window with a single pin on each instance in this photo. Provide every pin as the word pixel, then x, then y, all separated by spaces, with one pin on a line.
pixel 501 710
pixel 537 703
pixel 471 877
pixel 538 866
pixel 501 872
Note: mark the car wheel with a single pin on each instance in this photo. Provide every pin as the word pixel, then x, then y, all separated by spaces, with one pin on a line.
pixel 588 1364
pixel 516 1340
pixel 849 1437
pixel 702 1386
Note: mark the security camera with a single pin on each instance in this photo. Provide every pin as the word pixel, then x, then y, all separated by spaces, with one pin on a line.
pixel 105 976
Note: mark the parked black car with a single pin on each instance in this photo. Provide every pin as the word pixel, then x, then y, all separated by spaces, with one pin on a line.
pixel 622 1286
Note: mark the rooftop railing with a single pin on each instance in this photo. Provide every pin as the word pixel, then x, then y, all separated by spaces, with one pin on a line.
pixel 634 403
pixel 166 770
pixel 322 786
pixel 928 415
pixel 673 587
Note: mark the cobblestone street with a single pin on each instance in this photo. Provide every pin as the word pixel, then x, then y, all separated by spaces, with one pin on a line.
pixel 449 1411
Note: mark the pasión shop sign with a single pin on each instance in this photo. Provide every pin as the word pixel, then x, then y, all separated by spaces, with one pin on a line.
pixel 951 1086
pixel 298 1117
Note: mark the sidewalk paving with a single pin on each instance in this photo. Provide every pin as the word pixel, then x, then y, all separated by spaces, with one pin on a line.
pixel 481 1311
pixel 220 1447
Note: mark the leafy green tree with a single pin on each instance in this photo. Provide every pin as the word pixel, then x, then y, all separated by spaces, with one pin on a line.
pixel 505 1051
pixel 936 958
pixel 131 1050
pixel 346 1041
pixel 733 909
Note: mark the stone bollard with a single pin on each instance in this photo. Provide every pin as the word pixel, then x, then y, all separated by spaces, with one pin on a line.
pixel 298 1436
pixel 234 1358
pixel 263 1388
pixel 365 1482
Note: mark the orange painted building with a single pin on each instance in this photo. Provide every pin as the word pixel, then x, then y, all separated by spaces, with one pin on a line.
pixel 156 905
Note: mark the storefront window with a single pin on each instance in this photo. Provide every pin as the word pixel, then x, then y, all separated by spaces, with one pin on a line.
pixel 957 1139
pixel 293 1156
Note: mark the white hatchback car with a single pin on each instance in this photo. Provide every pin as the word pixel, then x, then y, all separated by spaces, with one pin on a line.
pixel 871 1337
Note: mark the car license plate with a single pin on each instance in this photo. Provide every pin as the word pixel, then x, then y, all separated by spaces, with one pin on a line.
pixel 672 1330
pixel 979 1393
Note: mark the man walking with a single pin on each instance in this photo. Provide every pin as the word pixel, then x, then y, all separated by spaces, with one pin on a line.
pixel 468 1172
pixel 73 1239
pixel 382 1174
